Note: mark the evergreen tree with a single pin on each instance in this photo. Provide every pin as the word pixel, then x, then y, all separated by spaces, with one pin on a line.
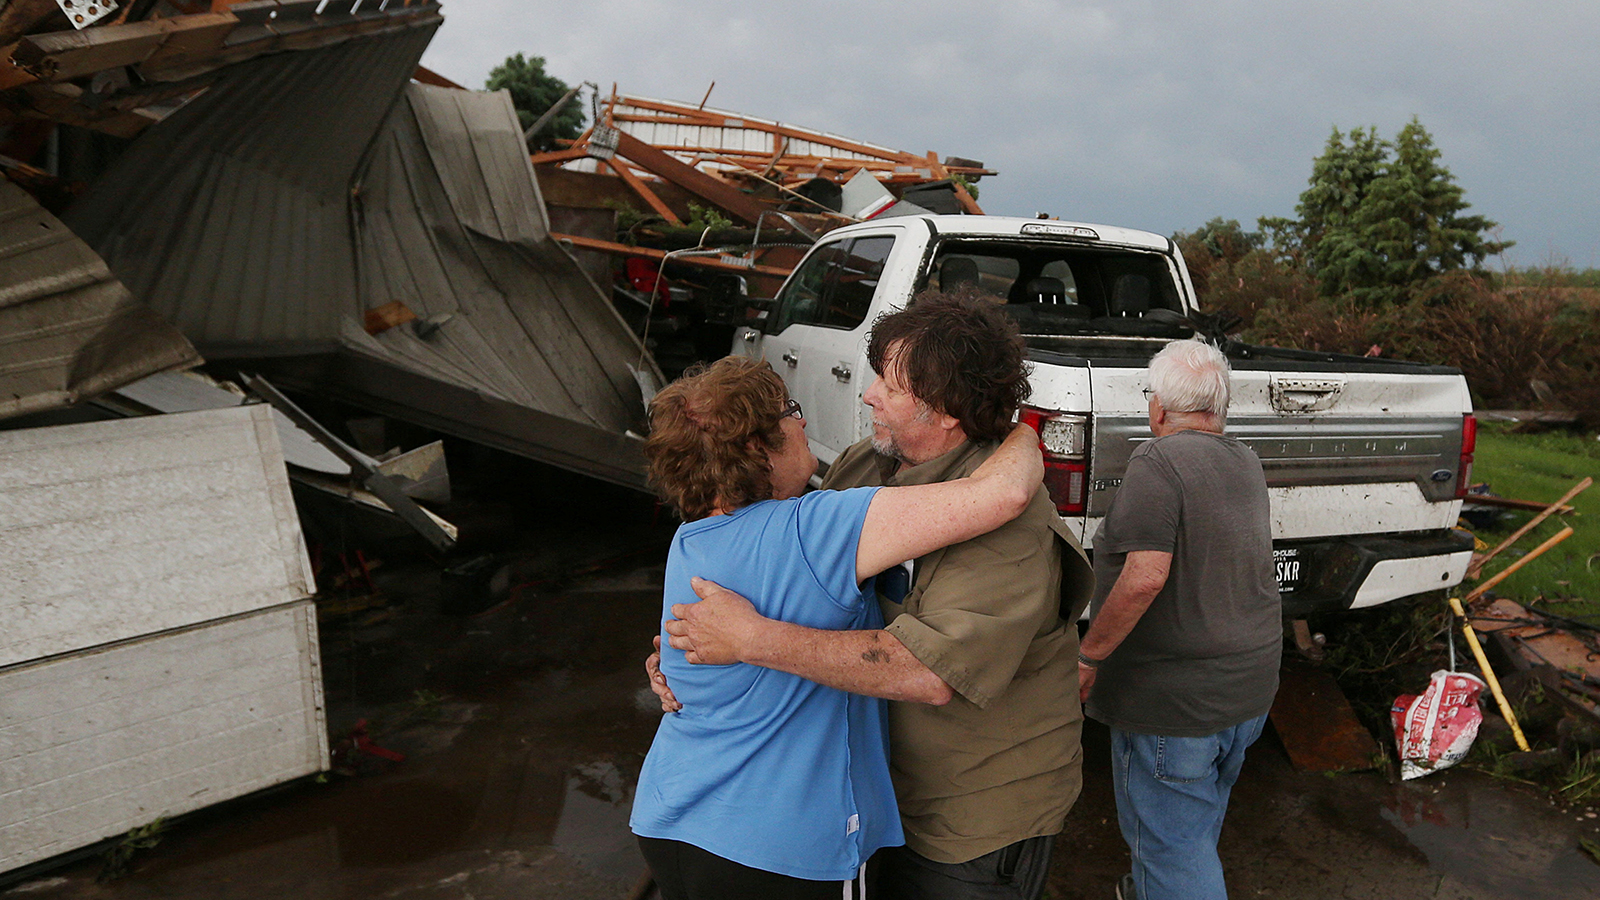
pixel 1379 218
pixel 533 92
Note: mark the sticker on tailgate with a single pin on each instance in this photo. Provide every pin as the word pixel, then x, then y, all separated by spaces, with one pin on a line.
pixel 1286 566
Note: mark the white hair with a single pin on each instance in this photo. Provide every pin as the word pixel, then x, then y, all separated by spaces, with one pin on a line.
pixel 1191 376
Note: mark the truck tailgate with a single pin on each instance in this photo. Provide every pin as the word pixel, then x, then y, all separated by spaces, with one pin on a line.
pixel 1366 449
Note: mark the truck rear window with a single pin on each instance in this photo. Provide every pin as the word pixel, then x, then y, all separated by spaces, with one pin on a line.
pixel 1065 290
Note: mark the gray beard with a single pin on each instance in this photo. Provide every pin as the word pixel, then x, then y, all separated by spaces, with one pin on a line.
pixel 887 447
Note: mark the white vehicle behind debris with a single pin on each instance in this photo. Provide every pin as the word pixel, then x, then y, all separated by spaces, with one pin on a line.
pixel 1367 459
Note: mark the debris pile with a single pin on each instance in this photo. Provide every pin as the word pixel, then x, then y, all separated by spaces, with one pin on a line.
pixel 694 215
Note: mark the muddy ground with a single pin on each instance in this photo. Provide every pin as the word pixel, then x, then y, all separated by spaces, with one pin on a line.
pixel 524 728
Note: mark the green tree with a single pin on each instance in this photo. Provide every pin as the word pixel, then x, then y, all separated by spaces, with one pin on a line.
pixel 1234 271
pixel 533 92
pixel 1379 218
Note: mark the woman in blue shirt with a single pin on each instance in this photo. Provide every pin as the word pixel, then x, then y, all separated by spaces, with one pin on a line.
pixel 765 784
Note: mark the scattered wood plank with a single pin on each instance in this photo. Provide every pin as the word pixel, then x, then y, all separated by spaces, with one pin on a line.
pixel 1529 640
pixel 1509 503
pixel 1580 487
pixel 1531 555
pixel 1316 723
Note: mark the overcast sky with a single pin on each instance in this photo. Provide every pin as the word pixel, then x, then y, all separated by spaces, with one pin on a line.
pixel 1150 115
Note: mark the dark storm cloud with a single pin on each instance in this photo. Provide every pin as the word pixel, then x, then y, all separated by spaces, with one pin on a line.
pixel 1152 115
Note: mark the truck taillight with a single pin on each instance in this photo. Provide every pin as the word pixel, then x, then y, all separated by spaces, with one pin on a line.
pixel 1064 438
pixel 1469 444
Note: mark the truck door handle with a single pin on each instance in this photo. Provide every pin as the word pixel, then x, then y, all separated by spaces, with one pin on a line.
pixel 792 358
pixel 841 372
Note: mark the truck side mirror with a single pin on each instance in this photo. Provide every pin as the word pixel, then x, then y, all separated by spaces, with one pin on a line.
pixel 757 311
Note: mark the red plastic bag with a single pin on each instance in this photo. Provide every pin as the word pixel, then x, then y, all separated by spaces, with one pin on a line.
pixel 1434 730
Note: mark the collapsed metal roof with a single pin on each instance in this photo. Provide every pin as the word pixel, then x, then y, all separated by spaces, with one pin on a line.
pixel 270 216
pixel 68 329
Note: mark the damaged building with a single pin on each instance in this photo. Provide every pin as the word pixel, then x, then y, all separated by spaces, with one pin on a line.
pixel 276 190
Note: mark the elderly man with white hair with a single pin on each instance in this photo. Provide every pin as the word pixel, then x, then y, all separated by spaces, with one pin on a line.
pixel 1181 659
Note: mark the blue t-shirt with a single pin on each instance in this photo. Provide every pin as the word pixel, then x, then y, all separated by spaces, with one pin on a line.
pixel 762 767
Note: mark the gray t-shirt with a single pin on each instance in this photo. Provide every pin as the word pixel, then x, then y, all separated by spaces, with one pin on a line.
pixel 1205 655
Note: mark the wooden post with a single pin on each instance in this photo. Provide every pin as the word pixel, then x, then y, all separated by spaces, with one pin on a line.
pixel 1488 673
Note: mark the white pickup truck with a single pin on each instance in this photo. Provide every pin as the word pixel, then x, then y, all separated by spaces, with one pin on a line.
pixel 1366 459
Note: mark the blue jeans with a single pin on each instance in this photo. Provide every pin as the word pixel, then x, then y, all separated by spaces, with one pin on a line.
pixel 1172 793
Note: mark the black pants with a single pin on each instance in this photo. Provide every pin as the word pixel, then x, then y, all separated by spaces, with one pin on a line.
pixel 685 872
pixel 1016 872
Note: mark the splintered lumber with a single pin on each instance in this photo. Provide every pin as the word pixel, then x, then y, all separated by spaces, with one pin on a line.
pixel 1316 723
pixel 730 199
pixel 1478 564
pixel 65 55
pixel 722 263
pixel 643 190
pixel 1530 640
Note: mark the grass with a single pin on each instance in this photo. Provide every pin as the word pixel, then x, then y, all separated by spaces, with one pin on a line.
pixel 1582 782
pixel 1542 467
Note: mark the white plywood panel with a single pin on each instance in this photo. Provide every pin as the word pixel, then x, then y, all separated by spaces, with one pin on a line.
pixel 111 530
pixel 96 742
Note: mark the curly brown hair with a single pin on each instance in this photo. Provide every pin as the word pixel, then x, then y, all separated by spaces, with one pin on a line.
pixel 961 355
pixel 710 432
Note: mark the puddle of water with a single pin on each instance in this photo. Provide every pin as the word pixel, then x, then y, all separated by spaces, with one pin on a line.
pixel 1484 835
pixel 594 819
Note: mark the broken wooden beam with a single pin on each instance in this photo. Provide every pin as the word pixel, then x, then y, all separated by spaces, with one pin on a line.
pixel 643 190
pixel 723 263
pixel 65 55
pixel 658 162
pixel 558 156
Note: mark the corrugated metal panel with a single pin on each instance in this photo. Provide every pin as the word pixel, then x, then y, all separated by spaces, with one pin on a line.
pixel 452 224
pixel 99 741
pixel 110 530
pixel 68 329
pixel 173 392
pixel 231 217
pixel 246 216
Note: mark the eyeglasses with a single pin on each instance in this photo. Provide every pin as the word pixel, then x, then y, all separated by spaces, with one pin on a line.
pixel 1149 394
pixel 792 408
